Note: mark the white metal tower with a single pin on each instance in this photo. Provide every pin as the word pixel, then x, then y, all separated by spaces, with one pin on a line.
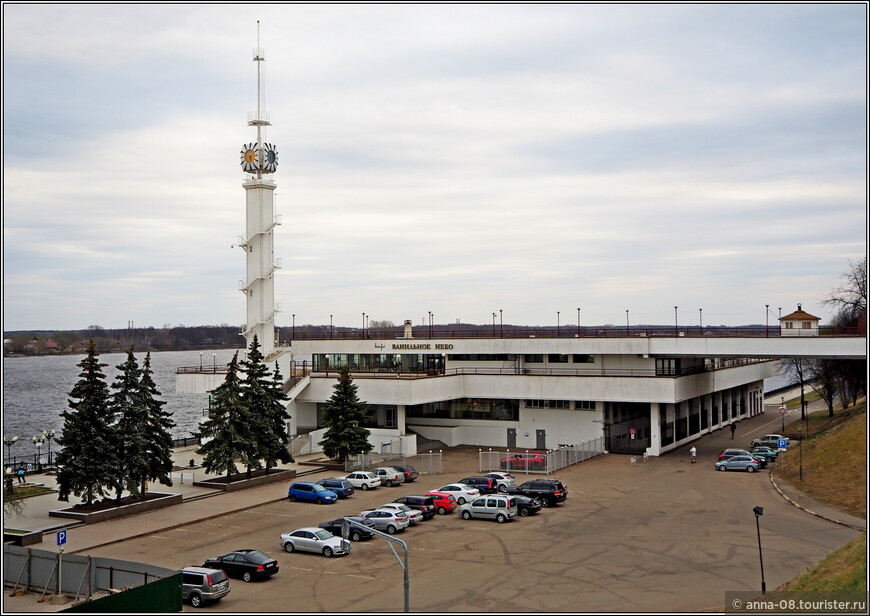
pixel 259 161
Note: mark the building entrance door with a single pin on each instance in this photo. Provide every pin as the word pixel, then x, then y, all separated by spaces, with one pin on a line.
pixel 512 438
pixel 541 439
pixel 434 364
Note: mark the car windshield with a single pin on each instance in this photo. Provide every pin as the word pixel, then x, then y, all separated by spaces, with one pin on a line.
pixel 319 488
pixel 217 576
pixel 323 534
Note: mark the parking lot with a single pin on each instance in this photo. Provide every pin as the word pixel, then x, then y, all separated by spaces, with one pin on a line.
pixel 663 535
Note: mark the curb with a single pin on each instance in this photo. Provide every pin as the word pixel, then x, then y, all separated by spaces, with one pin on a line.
pixel 809 511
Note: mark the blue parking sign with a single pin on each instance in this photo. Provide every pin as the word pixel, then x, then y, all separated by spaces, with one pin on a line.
pixel 61 537
pixel 782 443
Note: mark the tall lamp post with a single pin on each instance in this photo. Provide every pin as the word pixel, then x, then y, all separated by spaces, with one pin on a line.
pixel 500 323
pixel 676 323
pixel 38 441
pixel 48 436
pixel 9 442
pixel 578 322
pixel 701 320
pixel 766 320
pixel 759 511
pixel 558 324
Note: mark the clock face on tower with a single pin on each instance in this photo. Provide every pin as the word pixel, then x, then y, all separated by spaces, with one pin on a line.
pixel 249 157
pixel 270 158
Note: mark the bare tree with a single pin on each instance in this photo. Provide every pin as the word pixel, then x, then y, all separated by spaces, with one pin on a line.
pixel 850 299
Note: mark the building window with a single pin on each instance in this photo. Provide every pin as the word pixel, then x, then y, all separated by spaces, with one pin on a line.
pixel 667 366
pixel 807 325
pixel 555 358
pixel 534 359
pixel 789 325
pixel 548 404
pixel 467 408
pixel 584 405
pixel 584 359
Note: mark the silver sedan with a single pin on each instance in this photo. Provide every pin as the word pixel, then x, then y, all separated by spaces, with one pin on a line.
pixel 316 540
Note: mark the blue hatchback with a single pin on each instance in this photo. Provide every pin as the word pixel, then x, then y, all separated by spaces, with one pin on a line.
pixel 310 492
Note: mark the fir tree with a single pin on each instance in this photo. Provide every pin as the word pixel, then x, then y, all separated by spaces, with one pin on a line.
pixel 274 444
pixel 344 415
pixel 88 459
pixel 158 429
pixel 256 402
pixel 130 416
pixel 227 427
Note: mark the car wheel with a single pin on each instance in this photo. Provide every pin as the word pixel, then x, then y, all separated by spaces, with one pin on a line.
pixel 460 500
pixel 356 536
pixel 466 515
pixel 292 498
pixel 288 547
pixel 502 487
pixel 720 468
pixel 327 552
pixel 389 483
pixel 500 518
pixel 391 529
pixel 247 576
pixel 750 469
pixel 365 487
pixel 545 502
pixel 524 512
pixel 195 600
pixel 441 510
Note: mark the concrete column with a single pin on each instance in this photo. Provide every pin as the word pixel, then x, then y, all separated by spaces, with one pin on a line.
pixel 655 437
pixel 400 418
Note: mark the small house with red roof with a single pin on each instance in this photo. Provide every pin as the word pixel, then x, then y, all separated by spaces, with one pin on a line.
pixel 799 323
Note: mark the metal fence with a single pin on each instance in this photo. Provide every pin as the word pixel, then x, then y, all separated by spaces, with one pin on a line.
pixel 425 463
pixel 540 463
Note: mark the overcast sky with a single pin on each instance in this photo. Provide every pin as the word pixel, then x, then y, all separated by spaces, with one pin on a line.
pixel 458 159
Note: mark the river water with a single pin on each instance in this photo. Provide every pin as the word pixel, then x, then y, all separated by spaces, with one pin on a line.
pixel 36 391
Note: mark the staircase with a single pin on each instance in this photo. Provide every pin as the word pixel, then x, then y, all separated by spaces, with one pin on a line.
pixel 424 444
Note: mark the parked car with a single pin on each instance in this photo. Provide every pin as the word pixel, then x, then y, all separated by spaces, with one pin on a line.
pixel 461 491
pixel 765 452
pixel 316 540
pixel 549 491
pixel 249 565
pixel 738 463
pixel 445 502
pixel 498 507
pixel 342 487
pixel 769 440
pixel 730 453
pixel 423 504
pixel 200 585
pixel 387 521
pixel 486 485
pixel 355 532
pixel 409 471
pixel 529 461
pixel 414 516
pixel 310 493
pixel 503 479
pixel 363 480
pixel 526 506
pixel 389 476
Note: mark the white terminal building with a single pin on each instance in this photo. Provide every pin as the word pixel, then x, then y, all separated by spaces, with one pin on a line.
pixel 642 390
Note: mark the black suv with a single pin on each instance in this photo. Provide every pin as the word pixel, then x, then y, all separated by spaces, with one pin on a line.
pixel 486 485
pixel 423 504
pixel 342 487
pixel 549 491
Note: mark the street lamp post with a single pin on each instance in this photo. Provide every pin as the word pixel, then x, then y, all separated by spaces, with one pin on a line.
pixel 293 328
pixel 200 361
pixel 627 329
pixel 9 442
pixel 578 322
pixel 330 326
pixel 759 511
pixel 493 325
pixel 38 442
pixel 48 436
pixel 701 320
pixel 766 320
pixel 676 325
pixel 558 324
pixel 500 323
pixel 214 362
pixel 782 411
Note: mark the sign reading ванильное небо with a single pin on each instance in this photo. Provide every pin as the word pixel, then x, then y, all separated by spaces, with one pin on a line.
pixel 421 346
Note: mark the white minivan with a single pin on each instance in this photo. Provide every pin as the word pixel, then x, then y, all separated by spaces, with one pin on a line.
pixel 490 507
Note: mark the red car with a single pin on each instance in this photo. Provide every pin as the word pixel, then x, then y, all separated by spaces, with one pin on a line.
pixel 531 461
pixel 444 502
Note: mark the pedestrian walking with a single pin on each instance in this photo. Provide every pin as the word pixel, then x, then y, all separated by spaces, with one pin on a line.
pixel 693 452
pixel 20 474
pixel 733 430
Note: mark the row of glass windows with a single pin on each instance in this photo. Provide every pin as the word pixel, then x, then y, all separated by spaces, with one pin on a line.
pixel 579 405
pixel 467 408
pixel 557 358
pixel 383 362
